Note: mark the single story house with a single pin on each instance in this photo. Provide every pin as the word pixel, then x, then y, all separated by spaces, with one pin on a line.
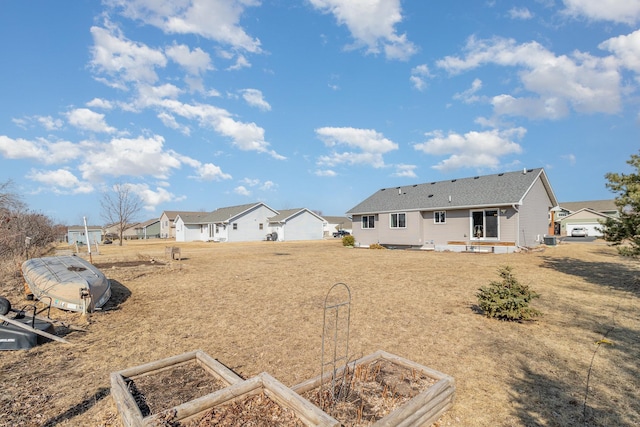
pixel 336 223
pixel 149 229
pixel 588 214
pixel 241 223
pixel 494 213
pixel 296 224
pixel 167 223
pixel 586 218
pixel 77 234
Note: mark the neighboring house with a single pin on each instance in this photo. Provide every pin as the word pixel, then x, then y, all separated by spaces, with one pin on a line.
pixel 335 223
pixel 167 223
pixel 498 213
pixel 149 229
pixel 113 231
pixel 296 224
pixel 587 214
pixel 241 223
pixel 586 218
pixel 77 234
pixel 192 226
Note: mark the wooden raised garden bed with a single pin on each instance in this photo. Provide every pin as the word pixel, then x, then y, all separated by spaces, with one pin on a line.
pixel 228 400
pixel 381 389
pixel 143 392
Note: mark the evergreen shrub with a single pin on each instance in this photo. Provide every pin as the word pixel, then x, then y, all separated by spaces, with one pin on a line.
pixel 507 299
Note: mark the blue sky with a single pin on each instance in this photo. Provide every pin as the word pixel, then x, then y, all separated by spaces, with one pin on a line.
pixel 314 103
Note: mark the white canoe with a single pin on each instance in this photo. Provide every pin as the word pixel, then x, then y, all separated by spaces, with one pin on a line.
pixel 64 279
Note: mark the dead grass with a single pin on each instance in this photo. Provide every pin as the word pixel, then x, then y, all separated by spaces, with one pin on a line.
pixel 258 307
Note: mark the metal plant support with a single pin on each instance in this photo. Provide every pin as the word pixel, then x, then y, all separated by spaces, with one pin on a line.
pixel 335 340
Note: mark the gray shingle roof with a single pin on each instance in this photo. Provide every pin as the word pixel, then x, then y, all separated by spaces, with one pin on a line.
pixel 502 189
pixel 229 212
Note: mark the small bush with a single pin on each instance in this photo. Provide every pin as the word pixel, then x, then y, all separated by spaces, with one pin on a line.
pixel 507 299
pixel 348 241
pixel 376 246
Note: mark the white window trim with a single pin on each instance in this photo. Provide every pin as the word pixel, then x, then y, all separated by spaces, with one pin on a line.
pixel 439 222
pixel 398 220
pixel 484 224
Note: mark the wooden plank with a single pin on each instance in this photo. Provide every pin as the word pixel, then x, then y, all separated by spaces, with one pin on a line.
pixel 216 368
pixel 157 365
pixel 308 413
pixel 35 331
pixel 204 403
pixel 127 407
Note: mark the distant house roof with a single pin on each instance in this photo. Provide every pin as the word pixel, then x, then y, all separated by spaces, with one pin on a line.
pixel 226 214
pixel 193 217
pixel 81 228
pixel 502 189
pixel 579 213
pixel 173 214
pixel 285 214
pixel 594 205
pixel 147 223
pixel 337 219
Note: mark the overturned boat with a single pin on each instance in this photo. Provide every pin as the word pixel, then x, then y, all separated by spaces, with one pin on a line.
pixel 70 282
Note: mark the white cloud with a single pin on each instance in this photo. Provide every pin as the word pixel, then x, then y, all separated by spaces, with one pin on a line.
pixel 245 136
pixel 40 149
pixel 255 98
pixel 405 171
pixel 264 186
pixel 585 83
pixel 369 144
pixel 60 181
pixel 372 24
pixel 49 123
pixel 123 60
pixel 194 61
pixel 473 149
pixel 100 103
pixel 129 157
pixel 520 13
pixel 211 172
pixel 85 119
pixel 469 96
pixel 623 11
pixel 419 75
pixel 571 158
pixel 152 198
pixel 326 172
pixel 212 19
pixel 242 190
pixel 626 49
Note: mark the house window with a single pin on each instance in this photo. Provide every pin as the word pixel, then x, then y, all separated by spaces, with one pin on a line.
pixel 484 224
pixel 260 226
pixel 439 217
pixel 368 221
pixel 398 220
pixel 235 225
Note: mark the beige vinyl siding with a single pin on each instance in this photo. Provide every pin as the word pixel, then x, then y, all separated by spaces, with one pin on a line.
pixel 534 218
pixel 365 236
pixel 409 235
pixel 456 227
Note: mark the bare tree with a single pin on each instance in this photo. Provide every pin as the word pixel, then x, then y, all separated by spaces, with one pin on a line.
pixel 120 208
pixel 19 227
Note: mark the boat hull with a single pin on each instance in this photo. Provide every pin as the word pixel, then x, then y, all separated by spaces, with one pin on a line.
pixel 64 279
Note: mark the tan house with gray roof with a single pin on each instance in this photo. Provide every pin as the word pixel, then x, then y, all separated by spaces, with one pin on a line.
pixel 492 213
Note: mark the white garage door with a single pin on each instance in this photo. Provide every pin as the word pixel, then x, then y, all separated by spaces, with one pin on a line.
pixel 591 229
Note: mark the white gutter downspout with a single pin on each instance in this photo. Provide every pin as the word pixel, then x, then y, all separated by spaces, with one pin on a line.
pixel 515 207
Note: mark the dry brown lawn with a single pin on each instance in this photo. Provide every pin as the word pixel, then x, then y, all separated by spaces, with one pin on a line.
pixel 259 307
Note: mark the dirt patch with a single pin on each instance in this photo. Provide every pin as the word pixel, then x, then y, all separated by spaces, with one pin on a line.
pixel 365 394
pixel 129 264
pixel 256 310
